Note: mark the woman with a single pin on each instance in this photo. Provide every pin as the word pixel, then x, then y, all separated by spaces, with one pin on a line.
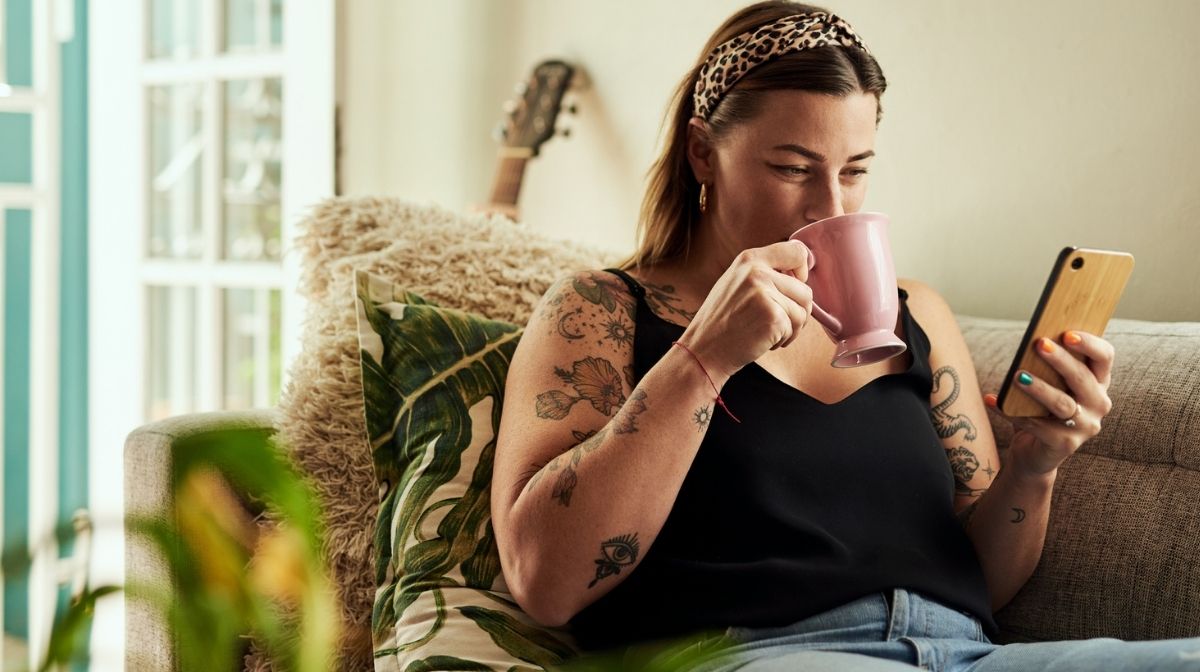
pixel 676 454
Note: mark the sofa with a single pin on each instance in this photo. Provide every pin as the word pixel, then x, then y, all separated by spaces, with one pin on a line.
pixel 1121 551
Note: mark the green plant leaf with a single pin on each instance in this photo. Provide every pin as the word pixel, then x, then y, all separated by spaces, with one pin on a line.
pixel 481 569
pixel 447 663
pixel 520 640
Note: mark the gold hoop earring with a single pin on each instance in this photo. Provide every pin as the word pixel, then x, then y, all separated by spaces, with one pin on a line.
pixel 703 197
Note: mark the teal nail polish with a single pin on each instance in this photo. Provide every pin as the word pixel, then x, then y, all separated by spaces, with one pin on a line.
pixel 1025 379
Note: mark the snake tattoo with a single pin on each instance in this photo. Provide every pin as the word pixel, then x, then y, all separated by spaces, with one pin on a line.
pixel 948 425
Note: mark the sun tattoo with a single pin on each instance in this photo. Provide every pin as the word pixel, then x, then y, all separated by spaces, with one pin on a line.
pixel 618 331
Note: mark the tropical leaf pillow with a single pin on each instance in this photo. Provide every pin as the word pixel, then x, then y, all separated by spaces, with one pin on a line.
pixel 433 385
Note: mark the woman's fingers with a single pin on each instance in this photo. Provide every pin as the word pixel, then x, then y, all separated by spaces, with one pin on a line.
pixel 1081 381
pixel 790 255
pixel 1059 403
pixel 795 316
pixel 1098 353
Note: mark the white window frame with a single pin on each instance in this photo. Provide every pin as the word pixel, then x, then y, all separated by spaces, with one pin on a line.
pixel 118 75
pixel 52 22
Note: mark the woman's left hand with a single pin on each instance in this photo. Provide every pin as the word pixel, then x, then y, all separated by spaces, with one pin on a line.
pixel 1040 445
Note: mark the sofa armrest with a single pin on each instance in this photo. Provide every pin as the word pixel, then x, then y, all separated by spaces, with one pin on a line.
pixel 149 645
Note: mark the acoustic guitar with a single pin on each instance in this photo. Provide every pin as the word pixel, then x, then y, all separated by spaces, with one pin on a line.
pixel 530 121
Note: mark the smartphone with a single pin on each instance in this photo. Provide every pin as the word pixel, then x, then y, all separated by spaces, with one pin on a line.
pixel 1080 295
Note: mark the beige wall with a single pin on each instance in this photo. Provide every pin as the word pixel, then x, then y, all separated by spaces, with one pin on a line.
pixel 1010 129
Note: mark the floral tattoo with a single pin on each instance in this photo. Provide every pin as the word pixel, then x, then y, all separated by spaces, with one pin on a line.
pixel 595 380
pixel 568 478
pixel 663 299
pixel 610 311
pixel 626 420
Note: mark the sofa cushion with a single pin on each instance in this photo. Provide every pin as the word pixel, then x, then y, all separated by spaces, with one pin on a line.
pixel 476 263
pixel 433 386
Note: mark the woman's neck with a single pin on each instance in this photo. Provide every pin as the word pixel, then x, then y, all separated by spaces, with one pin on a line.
pixel 712 251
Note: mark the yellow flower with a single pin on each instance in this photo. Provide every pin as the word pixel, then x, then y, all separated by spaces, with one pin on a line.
pixel 279 570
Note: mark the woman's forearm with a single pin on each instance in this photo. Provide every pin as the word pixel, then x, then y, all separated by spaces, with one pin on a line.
pixel 583 521
pixel 1008 529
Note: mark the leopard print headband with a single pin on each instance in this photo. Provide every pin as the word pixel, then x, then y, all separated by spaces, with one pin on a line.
pixel 733 59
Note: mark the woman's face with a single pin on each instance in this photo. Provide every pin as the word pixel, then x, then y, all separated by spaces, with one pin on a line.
pixel 803 158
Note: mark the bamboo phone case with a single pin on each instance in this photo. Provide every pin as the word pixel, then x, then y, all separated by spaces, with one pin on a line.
pixel 1081 295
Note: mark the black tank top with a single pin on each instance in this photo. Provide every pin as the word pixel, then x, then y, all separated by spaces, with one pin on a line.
pixel 800 508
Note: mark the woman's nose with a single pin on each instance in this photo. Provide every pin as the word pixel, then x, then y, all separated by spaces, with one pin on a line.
pixel 825 203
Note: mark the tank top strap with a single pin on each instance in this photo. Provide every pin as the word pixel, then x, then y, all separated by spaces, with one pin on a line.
pixel 916 338
pixel 635 287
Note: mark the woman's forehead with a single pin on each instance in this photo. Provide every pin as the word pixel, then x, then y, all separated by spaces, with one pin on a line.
pixel 805 118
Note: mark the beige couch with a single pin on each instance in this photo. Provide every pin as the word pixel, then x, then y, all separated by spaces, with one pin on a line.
pixel 1121 553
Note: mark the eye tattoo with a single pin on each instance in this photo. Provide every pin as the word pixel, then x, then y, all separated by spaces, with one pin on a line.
pixel 615 553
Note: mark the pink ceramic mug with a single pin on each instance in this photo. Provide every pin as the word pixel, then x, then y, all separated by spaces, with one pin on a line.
pixel 853 282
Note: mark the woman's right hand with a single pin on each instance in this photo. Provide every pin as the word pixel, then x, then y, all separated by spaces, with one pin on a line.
pixel 760 303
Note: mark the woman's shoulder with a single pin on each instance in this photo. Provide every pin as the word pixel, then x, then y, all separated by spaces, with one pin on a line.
pixel 603 287
pixel 584 301
pixel 926 304
pixel 922 295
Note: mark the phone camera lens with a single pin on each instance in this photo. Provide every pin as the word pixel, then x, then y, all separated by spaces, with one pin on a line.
pixel 1077 263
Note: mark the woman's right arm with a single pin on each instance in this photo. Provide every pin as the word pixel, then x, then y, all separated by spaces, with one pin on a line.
pixel 587 466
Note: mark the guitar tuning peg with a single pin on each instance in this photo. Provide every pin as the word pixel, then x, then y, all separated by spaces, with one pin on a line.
pixel 521 88
pixel 572 108
pixel 509 106
pixel 565 131
pixel 500 133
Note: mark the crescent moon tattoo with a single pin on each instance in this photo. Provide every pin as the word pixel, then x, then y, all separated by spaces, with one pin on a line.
pixel 1020 515
pixel 562 325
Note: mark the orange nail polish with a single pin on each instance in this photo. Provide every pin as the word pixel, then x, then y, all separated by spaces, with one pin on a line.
pixel 1072 338
pixel 1046 345
pixel 990 399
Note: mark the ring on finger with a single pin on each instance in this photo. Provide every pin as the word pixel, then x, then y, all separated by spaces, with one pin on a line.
pixel 1070 421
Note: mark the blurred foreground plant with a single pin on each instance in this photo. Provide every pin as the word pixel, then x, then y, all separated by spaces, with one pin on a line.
pixel 668 656
pixel 229 578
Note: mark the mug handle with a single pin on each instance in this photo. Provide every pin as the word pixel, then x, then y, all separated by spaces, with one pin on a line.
pixel 828 321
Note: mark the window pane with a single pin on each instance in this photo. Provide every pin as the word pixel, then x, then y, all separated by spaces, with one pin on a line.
pixel 253 25
pixel 16 44
pixel 174 28
pixel 252 169
pixel 172 351
pixel 252 348
pixel 16 278
pixel 16 147
pixel 176 153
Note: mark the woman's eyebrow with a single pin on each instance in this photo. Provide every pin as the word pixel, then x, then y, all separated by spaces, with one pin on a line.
pixel 817 156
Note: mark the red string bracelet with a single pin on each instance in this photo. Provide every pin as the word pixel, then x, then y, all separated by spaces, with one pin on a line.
pixel 720 401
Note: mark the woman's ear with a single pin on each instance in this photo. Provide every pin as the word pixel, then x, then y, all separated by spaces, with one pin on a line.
pixel 700 150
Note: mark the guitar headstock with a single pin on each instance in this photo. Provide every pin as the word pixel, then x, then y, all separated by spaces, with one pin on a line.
pixel 533 114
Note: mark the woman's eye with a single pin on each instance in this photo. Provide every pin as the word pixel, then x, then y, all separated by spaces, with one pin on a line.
pixel 794 171
pixel 856 172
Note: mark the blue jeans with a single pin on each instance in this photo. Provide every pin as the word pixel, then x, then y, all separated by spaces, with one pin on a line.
pixel 871 635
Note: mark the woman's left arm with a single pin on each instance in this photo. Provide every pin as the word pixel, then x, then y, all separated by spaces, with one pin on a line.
pixel 1005 511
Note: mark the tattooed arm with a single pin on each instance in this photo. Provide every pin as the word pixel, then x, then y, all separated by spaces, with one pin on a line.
pixel 588 466
pixel 1004 514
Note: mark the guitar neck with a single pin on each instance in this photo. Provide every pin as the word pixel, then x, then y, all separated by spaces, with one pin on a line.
pixel 510 172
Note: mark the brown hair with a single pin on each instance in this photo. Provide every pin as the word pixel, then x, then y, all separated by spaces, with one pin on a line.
pixel 670 210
